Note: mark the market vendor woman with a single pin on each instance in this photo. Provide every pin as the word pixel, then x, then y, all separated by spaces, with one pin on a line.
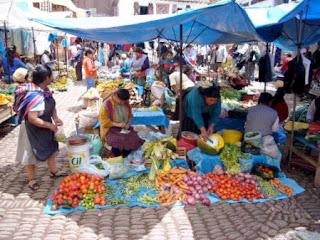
pixel 201 110
pixel 35 104
pixel 115 131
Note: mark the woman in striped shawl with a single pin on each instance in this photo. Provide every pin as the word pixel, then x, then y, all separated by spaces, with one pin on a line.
pixel 35 106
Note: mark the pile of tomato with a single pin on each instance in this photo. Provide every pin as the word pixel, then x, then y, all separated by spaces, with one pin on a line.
pixel 229 187
pixel 79 188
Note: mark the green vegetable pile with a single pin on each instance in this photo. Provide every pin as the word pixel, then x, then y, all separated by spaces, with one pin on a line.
pixel 230 157
pixel 230 93
pixel 267 188
pixel 148 199
pixel 132 185
pixel 160 155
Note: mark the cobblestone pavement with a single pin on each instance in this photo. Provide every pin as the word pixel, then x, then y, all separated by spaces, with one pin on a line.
pixel 21 210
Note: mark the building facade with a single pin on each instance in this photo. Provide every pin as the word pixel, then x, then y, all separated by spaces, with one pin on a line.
pixel 137 7
pixel 263 3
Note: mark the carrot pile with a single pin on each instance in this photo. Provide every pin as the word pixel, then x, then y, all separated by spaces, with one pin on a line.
pixel 282 188
pixel 171 186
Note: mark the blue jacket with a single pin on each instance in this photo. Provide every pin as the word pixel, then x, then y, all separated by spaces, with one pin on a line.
pixel 195 106
pixel 17 63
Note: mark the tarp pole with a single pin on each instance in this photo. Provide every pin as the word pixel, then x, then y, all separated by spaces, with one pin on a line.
pixel 180 64
pixel 267 53
pixel 65 54
pixel 57 55
pixel 34 46
pixel 6 45
pixel 159 61
pixel 295 95
pixel 208 62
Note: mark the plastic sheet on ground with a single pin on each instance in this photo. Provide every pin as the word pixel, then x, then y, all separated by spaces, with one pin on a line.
pixel 205 163
pixel 133 201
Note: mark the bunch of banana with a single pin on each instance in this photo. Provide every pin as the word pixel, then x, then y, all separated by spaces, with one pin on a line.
pixel 3 99
pixel 108 86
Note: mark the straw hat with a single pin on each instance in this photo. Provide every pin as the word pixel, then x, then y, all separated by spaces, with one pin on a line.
pixel 20 75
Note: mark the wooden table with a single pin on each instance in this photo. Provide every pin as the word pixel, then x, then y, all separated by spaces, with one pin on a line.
pixel 313 162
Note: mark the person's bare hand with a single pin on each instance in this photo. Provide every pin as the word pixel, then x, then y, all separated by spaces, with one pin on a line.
pixel 58 121
pixel 53 128
pixel 204 134
pixel 122 125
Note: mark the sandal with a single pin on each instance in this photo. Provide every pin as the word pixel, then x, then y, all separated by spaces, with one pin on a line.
pixel 33 185
pixel 58 174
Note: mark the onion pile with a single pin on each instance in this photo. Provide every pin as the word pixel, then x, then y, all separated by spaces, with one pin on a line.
pixel 246 178
pixel 199 185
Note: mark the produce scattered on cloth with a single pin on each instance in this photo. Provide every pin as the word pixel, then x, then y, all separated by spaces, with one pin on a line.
pixel 171 186
pixel 230 93
pixel 80 189
pixel 282 188
pixel 230 156
pixel 198 187
pixel 235 187
pixel 160 152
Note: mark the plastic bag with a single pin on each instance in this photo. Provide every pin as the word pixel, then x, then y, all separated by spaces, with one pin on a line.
pixel 157 90
pixel 60 136
pixel 95 142
pixel 95 166
pixel 254 138
pixel 169 97
pixel 117 170
pixel 269 147
pixel 246 165
pixel 88 118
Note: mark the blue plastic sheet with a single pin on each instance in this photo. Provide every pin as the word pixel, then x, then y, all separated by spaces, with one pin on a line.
pixel 133 201
pixel 230 123
pixel 156 118
pixel 205 163
pixel 280 136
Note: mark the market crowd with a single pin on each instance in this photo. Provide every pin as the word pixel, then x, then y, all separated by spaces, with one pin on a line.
pixel 201 100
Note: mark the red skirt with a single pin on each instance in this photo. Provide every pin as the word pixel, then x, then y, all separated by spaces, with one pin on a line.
pixel 124 141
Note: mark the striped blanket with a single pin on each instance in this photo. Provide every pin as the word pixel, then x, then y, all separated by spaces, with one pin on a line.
pixel 27 97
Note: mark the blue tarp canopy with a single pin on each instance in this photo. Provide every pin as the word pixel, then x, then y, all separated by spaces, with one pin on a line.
pixel 283 24
pixel 222 22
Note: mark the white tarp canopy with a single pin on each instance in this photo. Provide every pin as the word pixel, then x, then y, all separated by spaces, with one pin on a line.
pixel 16 18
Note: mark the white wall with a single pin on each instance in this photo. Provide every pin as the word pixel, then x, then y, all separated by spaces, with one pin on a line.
pixel 125 7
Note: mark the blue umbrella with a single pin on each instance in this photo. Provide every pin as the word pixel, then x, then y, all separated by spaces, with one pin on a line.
pixel 289 25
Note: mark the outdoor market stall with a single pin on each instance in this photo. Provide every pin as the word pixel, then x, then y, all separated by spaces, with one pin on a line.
pixel 293 28
pixel 153 176
pixel 221 179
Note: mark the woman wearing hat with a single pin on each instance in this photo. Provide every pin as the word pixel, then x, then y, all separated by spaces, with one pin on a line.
pixel 140 64
pixel 21 76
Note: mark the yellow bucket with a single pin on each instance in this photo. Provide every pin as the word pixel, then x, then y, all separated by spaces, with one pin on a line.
pixel 231 136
